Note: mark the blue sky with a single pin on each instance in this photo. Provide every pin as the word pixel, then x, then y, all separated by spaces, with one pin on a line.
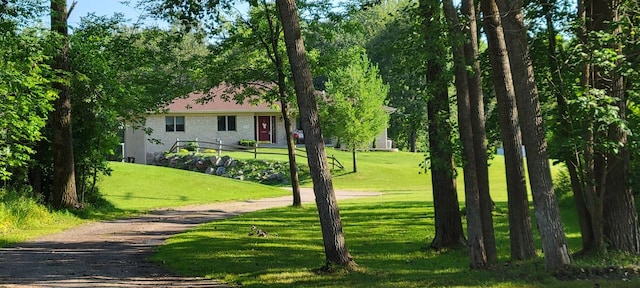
pixel 107 8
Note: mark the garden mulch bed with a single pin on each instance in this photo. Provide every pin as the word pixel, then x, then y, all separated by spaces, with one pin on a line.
pixel 114 253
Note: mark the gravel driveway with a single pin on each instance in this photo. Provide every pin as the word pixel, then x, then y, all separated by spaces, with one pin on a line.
pixel 114 253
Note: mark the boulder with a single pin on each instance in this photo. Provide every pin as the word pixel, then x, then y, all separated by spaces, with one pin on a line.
pixel 221 170
pixel 215 160
pixel 200 164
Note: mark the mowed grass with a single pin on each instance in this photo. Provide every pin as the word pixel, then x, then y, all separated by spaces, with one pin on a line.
pixel 388 239
pixel 130 189
pixel 387 235
pixel 142 187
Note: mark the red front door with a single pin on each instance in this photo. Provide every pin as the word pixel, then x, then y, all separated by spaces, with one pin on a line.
pixel 264 128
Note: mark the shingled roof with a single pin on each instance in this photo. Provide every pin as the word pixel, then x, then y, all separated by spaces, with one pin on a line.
pixel 217 104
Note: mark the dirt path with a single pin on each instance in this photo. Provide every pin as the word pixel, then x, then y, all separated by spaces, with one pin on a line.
pixel 113 253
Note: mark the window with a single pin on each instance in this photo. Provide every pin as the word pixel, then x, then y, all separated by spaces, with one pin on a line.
pixel 174 123
pixel 226 123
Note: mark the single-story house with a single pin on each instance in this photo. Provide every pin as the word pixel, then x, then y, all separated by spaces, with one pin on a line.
pixel 213 121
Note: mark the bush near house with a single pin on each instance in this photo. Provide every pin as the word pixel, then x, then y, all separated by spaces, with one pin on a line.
pixel 247 142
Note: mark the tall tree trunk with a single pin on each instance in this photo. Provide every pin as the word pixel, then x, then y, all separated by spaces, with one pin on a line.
pixel 609 201
pixel 564 126
pixel 448 222
pixel 620 213
pixel 291 148
pixel 546 208
pixel 284 103
pixel 355 160
pixel 335 246
pixel 476 103
pixel 554 242
pixel 64 182
pixel 477 251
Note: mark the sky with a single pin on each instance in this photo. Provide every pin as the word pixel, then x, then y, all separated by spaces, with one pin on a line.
pixel 107 8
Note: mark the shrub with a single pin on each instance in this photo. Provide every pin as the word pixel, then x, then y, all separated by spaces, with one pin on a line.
pixel 191 146
pixel 247 142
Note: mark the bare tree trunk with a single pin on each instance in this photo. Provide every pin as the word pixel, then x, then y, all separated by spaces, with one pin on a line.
pixel 64 182
pixel 333 237
pixel 546 208
pixel 283 98
pixel 448 222
pixel 477 251
pixel 355 160
pixel 554 242
pixel 470 54
pixel 291 148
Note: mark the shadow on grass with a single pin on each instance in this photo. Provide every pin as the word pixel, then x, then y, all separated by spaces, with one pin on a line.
pixel 387 240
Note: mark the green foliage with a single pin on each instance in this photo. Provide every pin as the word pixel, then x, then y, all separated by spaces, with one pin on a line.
pixel 19 209
pixel 252 59
pixel 25 97
pixel 119 74
pixel 192 146
pixel 353 109
pixel 247 142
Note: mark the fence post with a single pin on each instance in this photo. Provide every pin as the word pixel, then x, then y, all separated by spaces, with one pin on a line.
pixel 333 162
pixel 197 146
pixel 255 151
pixel 177 145
pixel 219 146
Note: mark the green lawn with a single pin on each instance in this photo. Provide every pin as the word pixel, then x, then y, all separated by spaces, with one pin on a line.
pixel 142 187
pixel 386 235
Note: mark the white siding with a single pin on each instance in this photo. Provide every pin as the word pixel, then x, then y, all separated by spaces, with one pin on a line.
pixel 134 146
pixel 204 127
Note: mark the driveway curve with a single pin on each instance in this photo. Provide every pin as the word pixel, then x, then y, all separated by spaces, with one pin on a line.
pixel 114 253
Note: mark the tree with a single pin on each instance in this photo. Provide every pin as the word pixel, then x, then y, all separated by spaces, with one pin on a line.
pixel 606 193
pixel 353 109
pixel 448 222
pixel 191 12
pixel 546 208
pixel 25 91
pixel 478 257
pixel 395 48
pixel 548 214
pixel 64 182
pixel 253 54
pixel 118 74
pixel 478 121
pixel 334 243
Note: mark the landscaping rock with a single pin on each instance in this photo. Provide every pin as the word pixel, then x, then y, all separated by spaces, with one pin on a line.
pixel 210 170
pixel 221 170
pixel 215 160
pixel 200 164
